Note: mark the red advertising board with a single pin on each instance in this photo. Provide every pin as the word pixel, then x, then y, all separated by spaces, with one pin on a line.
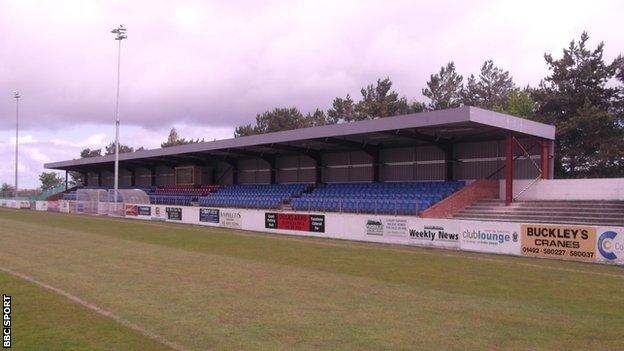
pixel 295 221
pixel 132 210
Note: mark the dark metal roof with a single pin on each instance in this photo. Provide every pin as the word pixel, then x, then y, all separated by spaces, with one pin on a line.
pixel 434 127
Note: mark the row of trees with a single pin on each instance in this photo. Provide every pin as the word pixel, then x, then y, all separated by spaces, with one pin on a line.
pixel 47 178
pixel 493 89
pixel 48 181
pixel 172 140
pixel 583 96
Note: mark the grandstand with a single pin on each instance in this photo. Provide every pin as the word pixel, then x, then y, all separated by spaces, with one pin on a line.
pixel 402 165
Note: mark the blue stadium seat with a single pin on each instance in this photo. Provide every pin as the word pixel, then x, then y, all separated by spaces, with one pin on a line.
pixel 407 198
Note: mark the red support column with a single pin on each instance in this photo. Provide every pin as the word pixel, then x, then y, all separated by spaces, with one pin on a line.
pixel 509 148
pixel 545 159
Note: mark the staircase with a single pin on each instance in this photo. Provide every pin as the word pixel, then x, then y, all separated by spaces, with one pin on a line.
pixel 610 213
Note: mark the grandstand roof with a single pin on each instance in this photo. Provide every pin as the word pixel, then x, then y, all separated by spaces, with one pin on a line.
pixel 442 127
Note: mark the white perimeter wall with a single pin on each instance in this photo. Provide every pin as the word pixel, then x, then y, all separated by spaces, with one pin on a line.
pixel 595 244
pixel 592 243
pixel 569 189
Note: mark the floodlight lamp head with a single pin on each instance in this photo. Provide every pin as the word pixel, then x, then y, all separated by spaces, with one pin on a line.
pixel 16 94
pixel 121 32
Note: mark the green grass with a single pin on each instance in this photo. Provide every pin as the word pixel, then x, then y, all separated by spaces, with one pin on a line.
pixel 213 288
pixel 43 320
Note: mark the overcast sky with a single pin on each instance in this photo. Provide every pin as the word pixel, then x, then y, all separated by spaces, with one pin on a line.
pixel 206 67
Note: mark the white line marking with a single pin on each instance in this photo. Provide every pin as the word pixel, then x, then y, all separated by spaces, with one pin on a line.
pixel 98 310
pixel 336 242
pixel 345 243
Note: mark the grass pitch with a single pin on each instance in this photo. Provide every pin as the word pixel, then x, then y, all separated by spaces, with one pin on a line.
pixel 213 288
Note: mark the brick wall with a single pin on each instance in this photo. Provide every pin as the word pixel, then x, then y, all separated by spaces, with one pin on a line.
pixel 479 189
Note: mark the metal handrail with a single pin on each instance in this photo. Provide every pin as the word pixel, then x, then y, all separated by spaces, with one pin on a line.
pixel 539 170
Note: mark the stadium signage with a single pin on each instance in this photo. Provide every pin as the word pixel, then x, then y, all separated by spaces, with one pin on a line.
pixel 230 219
pixel 489 237
pixel 144 210
pixel 395 227
pixel 559 241
pixel 496 237
pixel 132 210
pixel 374 227
pixel 53 206
pixel 386 227
pixel 209 215
pixel 158 214
pixel 41 206
pixel 174 213
pixel 610 245
pixel 433 233
pixel 295 221
pixel 64 206
pixel 439 233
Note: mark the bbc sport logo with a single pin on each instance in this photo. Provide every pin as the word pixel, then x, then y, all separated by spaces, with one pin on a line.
pixel 606 245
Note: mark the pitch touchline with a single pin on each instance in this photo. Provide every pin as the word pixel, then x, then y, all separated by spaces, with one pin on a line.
pixel 358 244
pixel 98 310
pixel 367 245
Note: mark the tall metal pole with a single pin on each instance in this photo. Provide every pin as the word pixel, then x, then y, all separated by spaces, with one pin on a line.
pixel 17 96
pixel 121 34
pixel 117 123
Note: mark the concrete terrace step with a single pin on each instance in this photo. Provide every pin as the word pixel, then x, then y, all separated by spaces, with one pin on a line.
pixel 537 220
pixel 527 208
pixel 538 213
pixel 553 204
pixel 553 201
pixel 544 219
pixel 551 211
pixel 553 207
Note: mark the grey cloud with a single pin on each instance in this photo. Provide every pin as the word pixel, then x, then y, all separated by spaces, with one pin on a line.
pixel 220 63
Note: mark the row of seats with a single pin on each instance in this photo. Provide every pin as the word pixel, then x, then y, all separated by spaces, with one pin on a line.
pixel 71 196
pixel 243 202
pixel 263 189
pixel 191 190
pixel 253 195
pixel 394 198
pixel 403 207
pixel 405 198
pixel 180 200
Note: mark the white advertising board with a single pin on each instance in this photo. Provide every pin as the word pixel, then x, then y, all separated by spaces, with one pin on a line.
pixel 437 233
pixel 63 206
pixel 495 237
pixel 231 218
pixel 479 236
pixel 9 203
pixel 41 206
pixel 610 245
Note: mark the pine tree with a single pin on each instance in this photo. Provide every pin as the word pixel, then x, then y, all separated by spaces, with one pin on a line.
pixel 578 100
pixel 380 101
pixel 492 88
pixel 342 110
pixel 444 88
pixel 174 139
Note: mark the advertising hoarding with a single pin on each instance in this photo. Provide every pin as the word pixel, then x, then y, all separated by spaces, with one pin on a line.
pixel 559 241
